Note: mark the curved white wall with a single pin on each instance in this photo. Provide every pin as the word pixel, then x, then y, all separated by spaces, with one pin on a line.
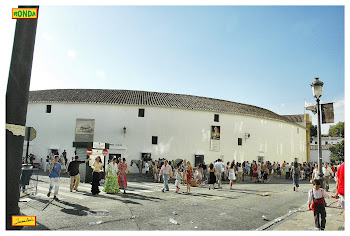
pixel 181 133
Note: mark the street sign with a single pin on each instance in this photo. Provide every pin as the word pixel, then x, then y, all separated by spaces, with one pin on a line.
pixel 98 145
pixel 30 134
pixel 89 151
pixel 105 152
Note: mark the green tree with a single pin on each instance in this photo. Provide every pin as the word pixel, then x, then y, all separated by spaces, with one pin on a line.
pixel 337 151
pixel 337 130
pixel 313 131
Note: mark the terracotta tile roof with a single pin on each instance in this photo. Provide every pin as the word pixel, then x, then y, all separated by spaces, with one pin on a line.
pixel 295 118
pixel 143 98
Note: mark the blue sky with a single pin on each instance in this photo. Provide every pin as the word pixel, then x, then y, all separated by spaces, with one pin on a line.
pixel 265 56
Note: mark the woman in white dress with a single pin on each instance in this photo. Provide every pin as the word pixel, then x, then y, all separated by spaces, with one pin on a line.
pixel 111 185
pixel 231 174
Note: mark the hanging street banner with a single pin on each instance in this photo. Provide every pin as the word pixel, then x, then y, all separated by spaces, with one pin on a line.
pixel 327 113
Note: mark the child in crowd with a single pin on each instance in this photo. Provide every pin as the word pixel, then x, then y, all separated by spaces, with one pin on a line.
pixel 317 204
pixel 178 178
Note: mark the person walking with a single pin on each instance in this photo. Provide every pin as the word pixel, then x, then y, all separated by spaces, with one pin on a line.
pixel 200 174
pixel 204 166
pixel 166 171
pixel 47 163
pixel 123 170
pixel 146 168
pixel 55 173
pixel 111 185
pixel 178 178
pixel 212 178
pixel 189 176
pixel 327 173
pixel 184 166
pixel 218 174
pixel 97 167
pixel 73 172
pixel 287 169
pixel 255 172
pixel 317 204
pixel 315 173
pixel 155 171
pixel 296 176
pixel 340 187
pixel 226 173
pixel 231 174
pixel 239 173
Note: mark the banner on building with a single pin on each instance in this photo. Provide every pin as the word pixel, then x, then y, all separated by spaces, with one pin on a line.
pixel 327 113
pixel 84 130
pixel 215 138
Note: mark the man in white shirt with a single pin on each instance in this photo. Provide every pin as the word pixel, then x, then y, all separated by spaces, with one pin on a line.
pixel 166 171
pixel 218 165
pixel 287 171
pixel 327 175
pixel 146 167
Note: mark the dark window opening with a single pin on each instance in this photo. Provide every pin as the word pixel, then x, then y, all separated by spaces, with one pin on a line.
pixel 216 117
pixel 154 139
pixel 240 141
pixel 141 112
pixel 48 108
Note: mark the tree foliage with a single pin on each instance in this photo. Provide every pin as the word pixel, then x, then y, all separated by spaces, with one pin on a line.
pixel 337 151
pixel 337 130
pixel 313 131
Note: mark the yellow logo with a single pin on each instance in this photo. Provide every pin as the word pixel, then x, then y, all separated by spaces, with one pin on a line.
pixel 24 13
pixel 23 220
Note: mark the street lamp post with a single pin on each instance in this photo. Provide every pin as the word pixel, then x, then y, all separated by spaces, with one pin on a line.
pixel 317 92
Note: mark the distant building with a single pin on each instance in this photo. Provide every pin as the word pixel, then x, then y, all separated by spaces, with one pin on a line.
pixel 304 120
pixel 325 143
pixel 162 125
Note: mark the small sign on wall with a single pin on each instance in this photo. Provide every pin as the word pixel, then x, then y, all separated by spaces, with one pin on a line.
pixel 215 139
pixel 84 130
pixel 98 145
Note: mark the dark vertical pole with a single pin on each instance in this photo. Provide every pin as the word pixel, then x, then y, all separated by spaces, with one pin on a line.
pixel 16 108
pixel 320 171
pixel 28 131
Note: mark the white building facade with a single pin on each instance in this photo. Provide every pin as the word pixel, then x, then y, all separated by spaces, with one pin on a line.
pixel 326 142
pixel 176 130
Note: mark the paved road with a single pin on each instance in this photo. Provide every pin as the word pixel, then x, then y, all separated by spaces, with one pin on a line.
pixel 145 207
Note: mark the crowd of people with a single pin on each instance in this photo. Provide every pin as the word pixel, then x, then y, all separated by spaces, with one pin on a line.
pixel 115 175
pixel 185 174
pixel 212 174
pixel 236 172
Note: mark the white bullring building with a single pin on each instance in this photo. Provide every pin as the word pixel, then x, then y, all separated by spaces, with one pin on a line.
pixel 171 126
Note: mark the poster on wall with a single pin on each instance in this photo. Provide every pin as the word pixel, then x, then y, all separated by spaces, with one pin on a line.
pixel 327 113
pixel 215 138
pixel 84 130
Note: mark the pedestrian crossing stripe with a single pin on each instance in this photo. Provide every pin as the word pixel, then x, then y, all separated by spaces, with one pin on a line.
pixel 78 196
pixel 64 190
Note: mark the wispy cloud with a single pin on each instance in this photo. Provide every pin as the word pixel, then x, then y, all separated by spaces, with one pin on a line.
pixel 72 53
pixel 46 36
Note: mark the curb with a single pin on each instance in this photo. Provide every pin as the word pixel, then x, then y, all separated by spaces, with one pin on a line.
pixel 279 219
